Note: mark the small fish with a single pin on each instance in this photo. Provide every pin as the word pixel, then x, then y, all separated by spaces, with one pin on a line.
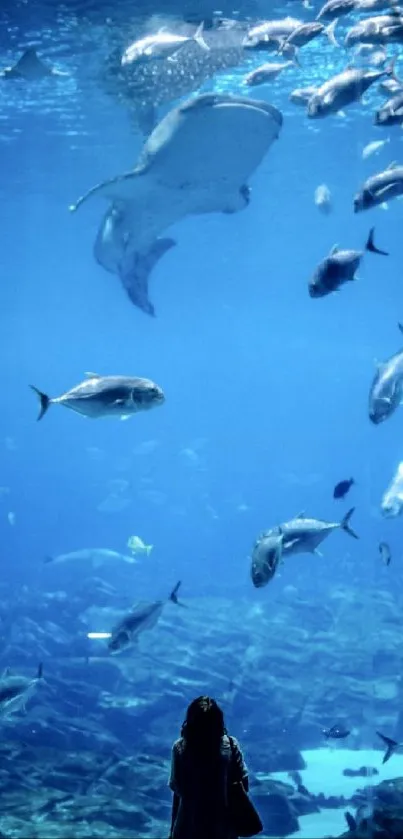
pixel 372 148
pixel 266 73
pixel 385 552
pixel 344 89
pixel 334 9
pixel 336 732
pixel 323 199
pixel 101 396
pixel 138 547
pixel 339 267
pixel 341 489
pixel 391 746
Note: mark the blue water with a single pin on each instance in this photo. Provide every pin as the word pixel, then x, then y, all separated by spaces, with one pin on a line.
pixel 266 389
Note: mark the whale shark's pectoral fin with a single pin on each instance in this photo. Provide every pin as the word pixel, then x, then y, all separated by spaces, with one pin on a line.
pixel 135 270
pixel 122 188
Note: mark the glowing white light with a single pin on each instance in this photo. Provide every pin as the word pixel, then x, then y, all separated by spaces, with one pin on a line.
pixel 99 635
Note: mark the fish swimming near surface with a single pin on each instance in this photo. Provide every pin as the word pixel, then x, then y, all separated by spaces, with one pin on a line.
pixel 380 29
pixel 303 535
pixel 336 732
pixel 266 556
pixel 141 617
pixel 15 691
pixel 161 45
pixel 334 9
pixel 97 557
pixel 386 390
pixel 104 396
pixel 380 188
pixel 344 89
pixel 391 746
pixel 342 488
pixel 339 267
pixel 385 552
pixel 197 160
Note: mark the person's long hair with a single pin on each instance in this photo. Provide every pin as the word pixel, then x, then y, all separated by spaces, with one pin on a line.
pixel 203 728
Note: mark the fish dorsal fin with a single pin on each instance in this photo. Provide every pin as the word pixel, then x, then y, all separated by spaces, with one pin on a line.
pixel 90 375
pixel 400 326
pixel 5 673
pixel 392 165
pixel 334 250
pixel 300 515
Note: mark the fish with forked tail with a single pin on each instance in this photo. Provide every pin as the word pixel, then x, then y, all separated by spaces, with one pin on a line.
pixel 299 535
pixel 143 616
pixel 104 396
pixel 339 267
pixel 391 746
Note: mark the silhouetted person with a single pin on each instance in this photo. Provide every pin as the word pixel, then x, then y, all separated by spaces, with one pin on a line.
pixel 205 760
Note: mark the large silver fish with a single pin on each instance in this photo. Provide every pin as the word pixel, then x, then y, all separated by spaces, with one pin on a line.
pixel 344 89
pixel 303 535
pixel 198 160
pixel 379 188
pixel 386 390
pixel 104 396
pixel 143 616
pixel 266 557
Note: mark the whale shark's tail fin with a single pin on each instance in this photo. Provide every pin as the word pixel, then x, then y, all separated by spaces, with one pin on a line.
pixel 135 270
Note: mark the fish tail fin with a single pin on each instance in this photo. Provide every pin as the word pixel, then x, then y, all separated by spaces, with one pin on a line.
pixel 345 524
pixel 198 37
pixel 391 746
pixel 329 32
pixel 371 246
pixel 39 674
pixel 44 400
pixel 174 595
pixel 135 271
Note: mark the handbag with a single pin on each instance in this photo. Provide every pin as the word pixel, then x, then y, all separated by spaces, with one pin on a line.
pixel 243 816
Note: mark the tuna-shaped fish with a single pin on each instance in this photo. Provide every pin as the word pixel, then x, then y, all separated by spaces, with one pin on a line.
pixel 379 188
pixel 266 557
pixel 387 387
pixel 391 113
pixel 303 535
pixel 143 616
pixel 15 692
pixel 105 396
pixel 344 89
pixel 339 267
